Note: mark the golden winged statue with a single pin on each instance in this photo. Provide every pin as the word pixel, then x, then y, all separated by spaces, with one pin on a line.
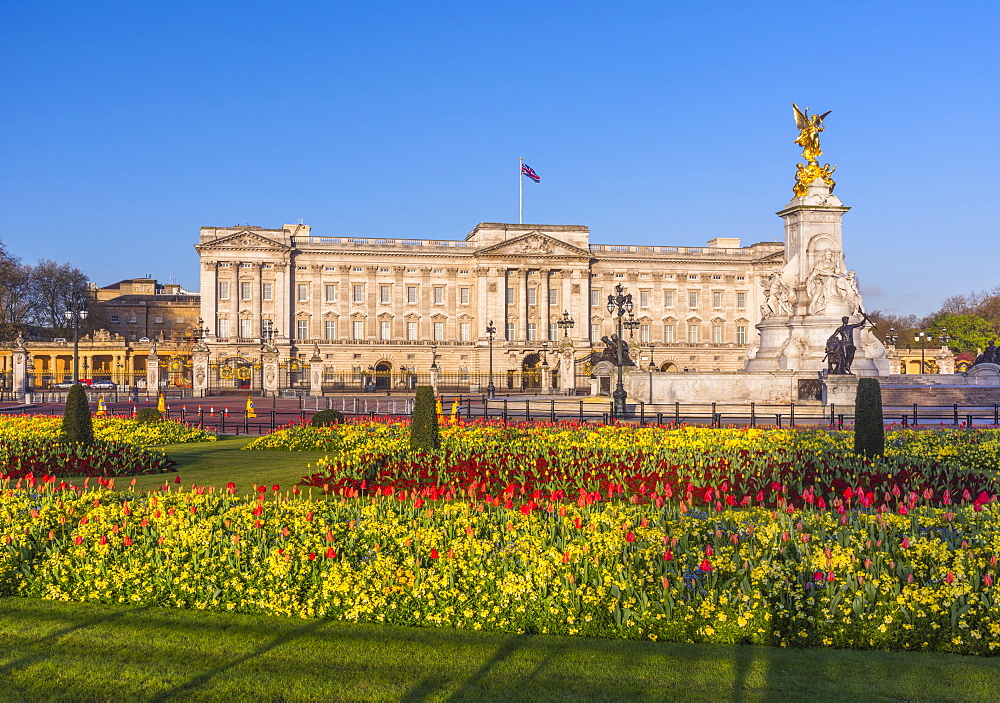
pixel 809 128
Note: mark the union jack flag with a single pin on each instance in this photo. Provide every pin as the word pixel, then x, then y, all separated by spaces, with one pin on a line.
pixel 526 170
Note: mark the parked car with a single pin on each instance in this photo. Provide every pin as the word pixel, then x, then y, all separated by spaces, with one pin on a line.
pixel 102 385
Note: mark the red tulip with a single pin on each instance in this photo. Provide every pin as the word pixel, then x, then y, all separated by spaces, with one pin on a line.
pixel 630 537
pixel 950 578
pixel 705 565
pixel 434 554
pixel 330 553
pixel 668 555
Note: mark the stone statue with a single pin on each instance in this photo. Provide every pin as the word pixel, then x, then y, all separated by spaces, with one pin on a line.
pixel 822 283
pixel 19 342
pixel 779 298
pixel 840 347
pixel 809 128
pixel 847 288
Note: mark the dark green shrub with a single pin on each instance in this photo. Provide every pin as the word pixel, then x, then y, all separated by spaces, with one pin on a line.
pixel 77 426
pixel 424 425
pixel 325 418
pixel 145 415
pixel 869 430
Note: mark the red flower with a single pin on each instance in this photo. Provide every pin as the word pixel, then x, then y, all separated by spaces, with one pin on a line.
pixel 312 556
pixel 668 555
pixel 127 541
pixel 565 558
pixel 906 543
pixel 276 488
pixel 709 552
pixel 177 479
pixel 705 565
pixel 630 537
pixel 950 578
pixel 330 553
pixel 78 540
pixel 434 554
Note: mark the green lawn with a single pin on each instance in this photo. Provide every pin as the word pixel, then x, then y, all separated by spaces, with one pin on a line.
pixel 70 651
pixel 217 463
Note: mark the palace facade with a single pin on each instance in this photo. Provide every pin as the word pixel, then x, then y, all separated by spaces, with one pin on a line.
pixel 399 306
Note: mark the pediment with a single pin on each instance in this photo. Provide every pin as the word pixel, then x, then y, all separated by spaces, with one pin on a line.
pixel 534 245
pixel 246 240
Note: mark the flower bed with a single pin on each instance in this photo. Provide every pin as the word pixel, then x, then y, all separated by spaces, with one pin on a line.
pixel 120 429
pixel 864 578
pixel 723 467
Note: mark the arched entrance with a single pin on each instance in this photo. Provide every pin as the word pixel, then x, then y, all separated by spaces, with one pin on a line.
pixel 668 367
pixel 531 372
pixel 383 376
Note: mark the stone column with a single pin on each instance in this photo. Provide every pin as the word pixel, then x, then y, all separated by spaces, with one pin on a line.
pixel 544 317
pixel 19 356
pixel 945 360
pixel 522 307
pixel 257 293
pixel 434 378
pixel 210 297
pixel 199 361
pixel 152 372
pixel 316 373
pixel 269 362
pixel 546 374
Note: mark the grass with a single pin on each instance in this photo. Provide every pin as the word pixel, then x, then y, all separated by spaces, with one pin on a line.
pixel 217 463
pixel 73 651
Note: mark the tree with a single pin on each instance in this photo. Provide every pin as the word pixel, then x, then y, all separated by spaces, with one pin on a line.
pixel 424 424
pixel 56 288
pixel 77 425
pixel 969 332
pixel 15 297
pixel 869 430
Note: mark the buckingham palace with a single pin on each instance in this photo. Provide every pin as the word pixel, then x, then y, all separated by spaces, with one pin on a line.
pixel 383 313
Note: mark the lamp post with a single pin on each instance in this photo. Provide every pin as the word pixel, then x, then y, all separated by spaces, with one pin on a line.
pixel 491 331
pixel 923 338
pixel 652 367
pixel 619 304
pixel 200 332
pixel 892 337
pixel 434 354
pixel 565 323
pixel 76 315
pixel 544 370
pixel 631 324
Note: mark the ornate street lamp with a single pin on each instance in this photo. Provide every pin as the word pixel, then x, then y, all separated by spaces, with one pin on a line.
pixel 76 315
pixel 652 367
pixel 619 304
pixel 944 337
pixel 631 324
pixel 892 337
pixel 434 355
pixel 565 323
pixel 923 338
pixel 491 331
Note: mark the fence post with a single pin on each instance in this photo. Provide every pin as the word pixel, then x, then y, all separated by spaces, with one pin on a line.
pixel 753 414
pixel 272 421
pixel 677 413
pixel 468 408
pixel 791 416
pixel 968 422
pixel 642 413
pixel 659 418
pixel 833 416
pixel 581 412
pixel 954 407
pixel 486 404
pixel 996 413
pixel 840 420
pixel 527 410
pixel 222 422
pixel 914 414
pixel 552 411
pixel 246 422
pixel 184 413
pixel 201 417
pixel 777 420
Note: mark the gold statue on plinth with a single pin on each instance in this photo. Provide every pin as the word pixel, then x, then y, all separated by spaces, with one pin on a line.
pixel 809 128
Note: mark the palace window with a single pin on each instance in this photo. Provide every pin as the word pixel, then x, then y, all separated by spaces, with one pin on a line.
pixel 741 300
pixel 358 329
pixel 595 298
pixel 553 332
pixel 385 294
pixel 532 332
pixel 385 329
pixel 223 327
pixel 411 294
pixel 508 331
pixel 553 296
pixel 223 290
pixel 716 334
pixel 245 290
pixel 465 332
pixel 266 327
pixel 741 334
pixel 716 299
pixel 330 293
pixel 692 333
pixel 510 295
pixel 532 296
pixel 463 296
pixel 438 295
pixel 693 299
pixel 329 329
pixel 246 327
pixel 114 318
pixel 303 292
pixel 644 299
pixel 668 298
pixel 668 334
pixel 358 293
pixel 302 329
pixel 438 331
pixel 595 332
pixel 267 291
pixel 643 333
pixel 411 331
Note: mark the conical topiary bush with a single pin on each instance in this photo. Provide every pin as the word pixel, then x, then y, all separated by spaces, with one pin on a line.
pixel 869 430
pixel 424 425
pixel 77 426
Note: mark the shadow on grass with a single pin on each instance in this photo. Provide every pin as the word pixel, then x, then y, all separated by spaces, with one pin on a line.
pixel 205 677
pixel 29 659
pixel 430 684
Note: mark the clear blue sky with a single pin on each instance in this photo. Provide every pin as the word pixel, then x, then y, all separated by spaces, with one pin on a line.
pixel 126 126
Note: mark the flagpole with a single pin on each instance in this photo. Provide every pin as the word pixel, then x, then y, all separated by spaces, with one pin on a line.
pixel 520 191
